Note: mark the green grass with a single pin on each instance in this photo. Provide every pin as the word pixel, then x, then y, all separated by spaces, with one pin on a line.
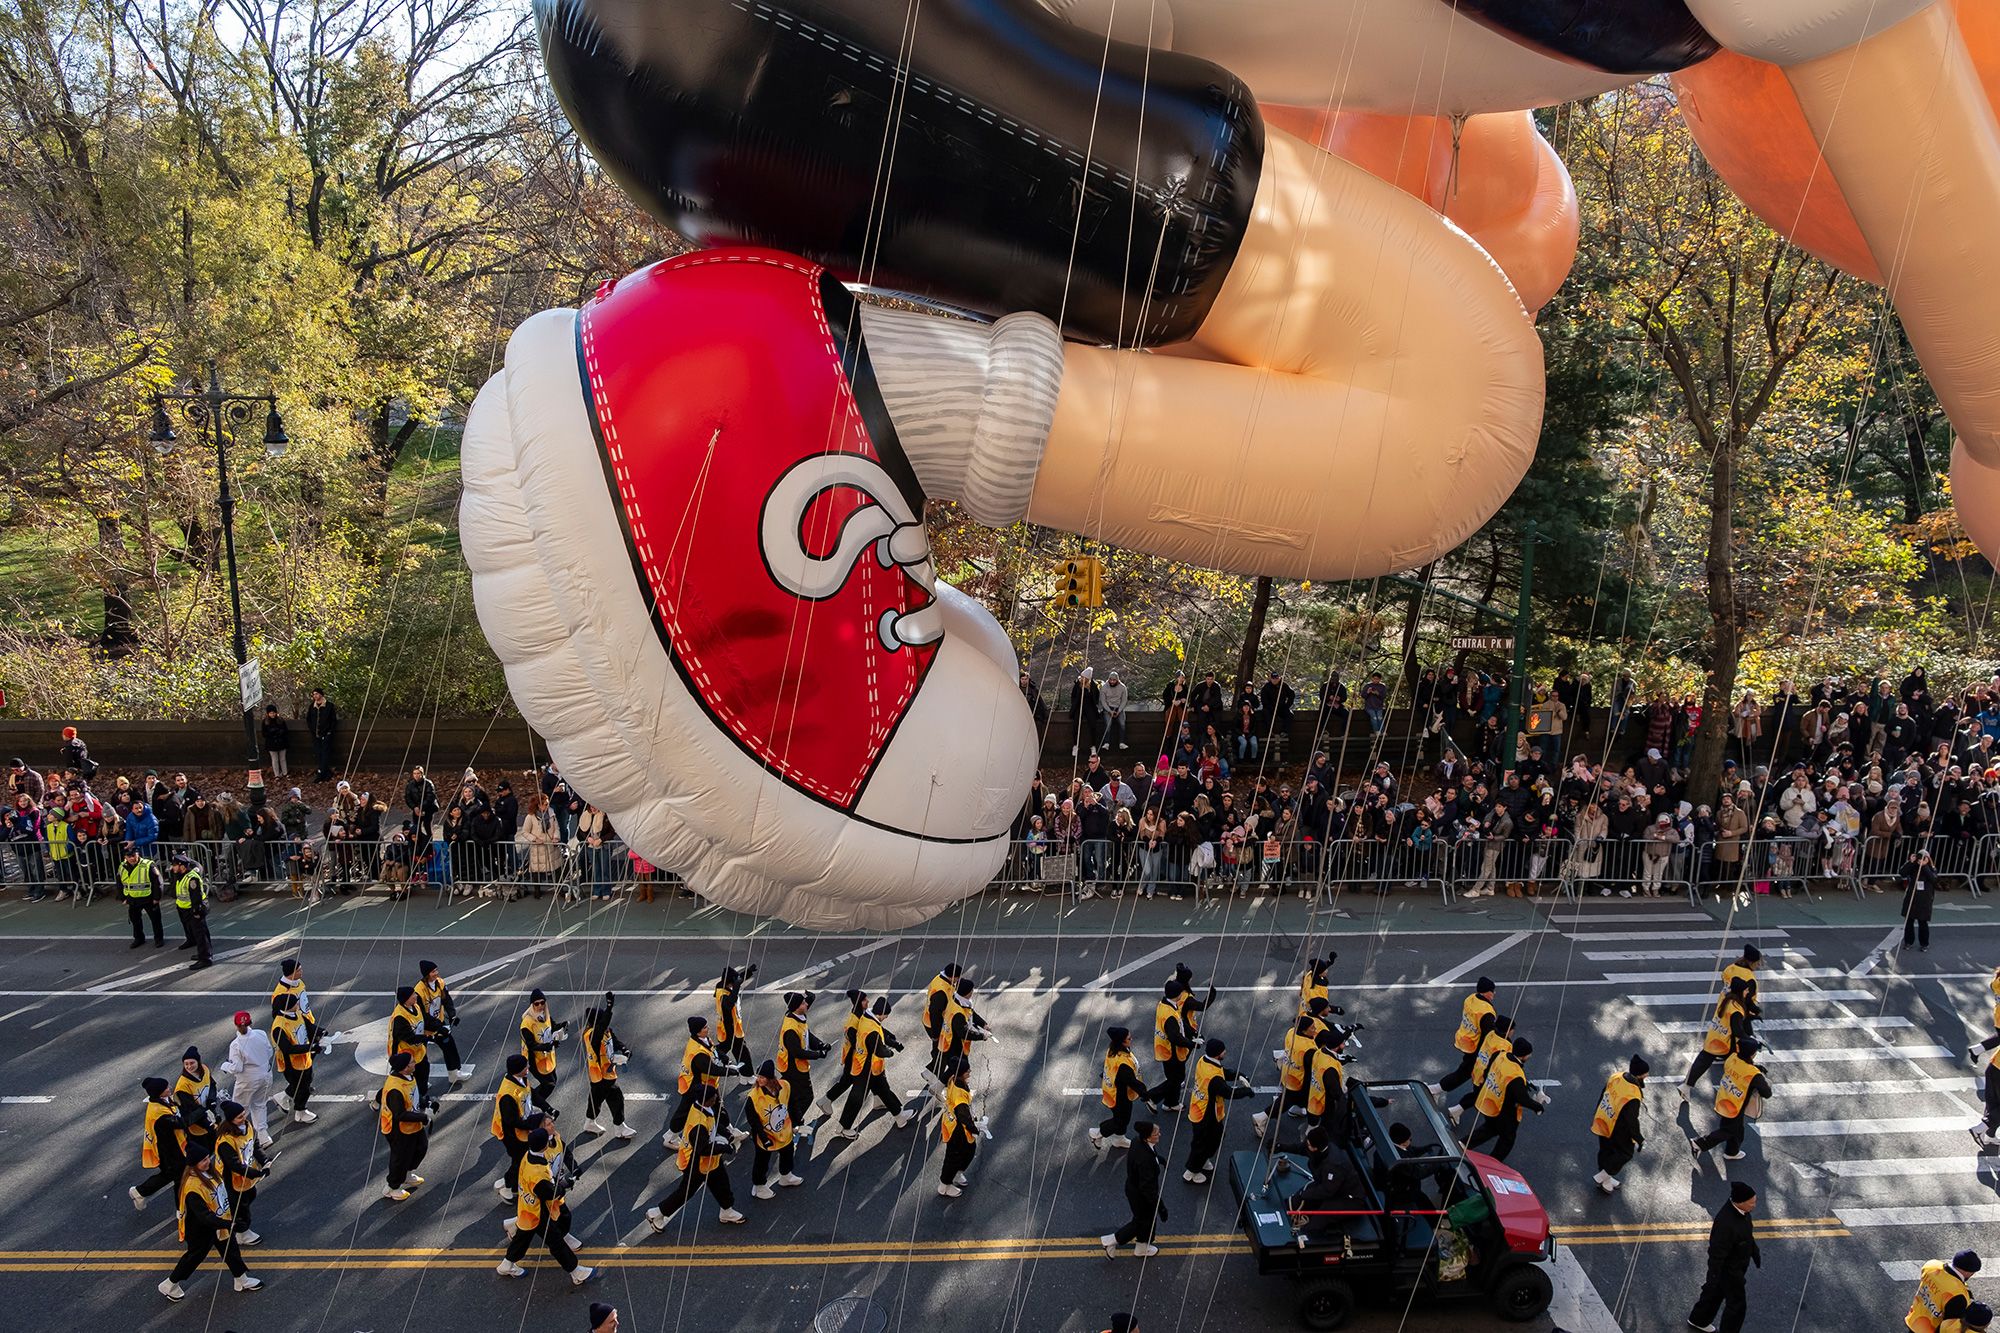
pixel 35 578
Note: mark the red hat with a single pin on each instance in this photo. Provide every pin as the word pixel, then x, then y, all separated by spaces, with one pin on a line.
pixel 242 1017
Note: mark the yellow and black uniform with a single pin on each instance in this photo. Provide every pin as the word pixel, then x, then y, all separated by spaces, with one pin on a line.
pixel 941 986
pixel 206 1223
pixel 139 885
pixel 857 1011
pixel 1326 1095
pixel 1120 1089
pixel 703 1145
pixel 1728 1023
pixel 1941 1294
pixel 956 1034
pixel 242 1166
pixel 400 1116
pixel 195 1099
pixel 866 1067
pixel 406 1034
pixel 1173 1045
pixel 602 1054
pixel 509 1125
pixel 1616 1124
pixel 770 1128
pixel 161 1147
pixel 1209 1089
pixel 539 1035
pixel 729 1042
pixel 797 1049
pixel 1504 1095
pixel 1742 970
pixel 1498 1040
pixel 1742 1083
pixel 1475 1019
pixel 440 1012
pixel 296 1041
pixel 292 984
pixel 1985 1058
pixel 191 905
pixel 698 1072
pixel 959 1130
pixel 540 1210
pixel 1312 985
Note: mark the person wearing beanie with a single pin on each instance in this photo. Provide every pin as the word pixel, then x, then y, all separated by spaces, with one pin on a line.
pixel 1944 1292
pixel 1732 1248
pixel 603 1318
pixel 1326 1083
pixel 1978 1318
pixel 1746 966
pixel 857 1011
pixel 405 1124
pixel 196 1097
pixel 797 1049
pixel 1121 1090
pixel 440 1017
pixel 960 1128
pixel 206 1224
pixel 1210 1088
pixel 1737 1100
pixel 1729 1023
pixel 1295 1071
pixel 292 981
pixel 1312 985
pixel 249 1062
pixel 937 997
pixel 240 1165
pixel 539 1037
pixel 1504 1098
pixel 1173 1045
pixel 772 1133
pixel 867 1068
pixel 1985 1057
pixel 960 1027
pixel 699 1072
pixel 541 1212
pixel 729 1042
pixel 1475 1019
pixel 406 1034
pixel 603 1055
pixel 1616 1123
pixel 139 884
pixel 191 906
pixel 161 1147
pixel 297 1041
pixel 1499 1039
pixel 705 1142
pixel 1123 1322
pixel 510 1122
pixel 1143 1171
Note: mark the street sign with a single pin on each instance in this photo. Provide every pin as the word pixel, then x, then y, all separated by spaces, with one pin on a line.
pixel 251 677
pixel 1483 643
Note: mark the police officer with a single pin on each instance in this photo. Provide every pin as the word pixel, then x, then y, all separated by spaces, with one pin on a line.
pixel 1742 1082
pixel 241 1164
pixel 191 903
pixel 510 1122
pixel 867 1070
pixel 1732 1248
pixel 1143 1169
pixel 729 1042
pixel 1728 1024
pixel 297 1041
pixel 542 1213
pixel 603 1056
pixel 797 1049
pixel 960 1128
pixel 705 1142
pixel 1120 1090
pixel 1944 1291
pixel 440 1017
pixel 405 1123
pixel 162 1150
pixel 1616 1123
pixel 539 1037
pixel 1210 1088
pixel 772 1133
pixel 1504 1098
pixel 1499 1040
pixel 139 886
pixel 1173 1045
pixel 406 1034
pixel 206 1223
pixel 1475 1018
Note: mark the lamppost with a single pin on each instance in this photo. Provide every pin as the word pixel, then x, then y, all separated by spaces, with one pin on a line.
pixel 209 410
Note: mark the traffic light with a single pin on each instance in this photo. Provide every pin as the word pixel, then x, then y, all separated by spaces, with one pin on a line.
pixel 1080 582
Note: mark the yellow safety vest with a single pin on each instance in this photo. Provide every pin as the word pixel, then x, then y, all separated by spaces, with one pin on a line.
pixel 948 1128
pixel 294 1029
pixel 199 1089
pixel 527 1204
pixel 296 989
pixel 1619 1091
pixel 136 879
pixel 1327 1073
pixel 516 1091
pixel 943 983
pixel 1721 1035
pixel 847 1027
pixel 865 1027
pixel 1501 1073
pixel 1471 1013
pixel 953 1010
pixel 542 1062
pixel 431 997
pixel 793 1023
pixel 1493 1044
pixel 1309 990
pixel 1163 1047
pixel 1735 970
pixel 415 1018
pixel 728 1022
pixel 1735 1090
pixel 1937 1286
pixel 1113 1062
pixel 773 1115
pixel 1206 1071
pixel 240 1143
pixel 58 835
pixel 149 1136
pixel 387 1118
pixel 703 1119
pixel 184 890
pixel 210 1190
pixel 696 1046
pixel 597 1053
pixel 1298 1050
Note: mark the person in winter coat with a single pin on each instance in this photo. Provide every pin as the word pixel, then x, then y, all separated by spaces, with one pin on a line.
pixel 1143 1168
pixel 277 741
pixel 1919 878
pixel 1086 709
pixel 1114 695
pixel 1732 1248
pixel 75 755
pixel 1656 851
pixel 323 726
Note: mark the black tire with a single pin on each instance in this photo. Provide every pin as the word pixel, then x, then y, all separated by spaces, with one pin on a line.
pixel 1326 1304
pixel 1522 1293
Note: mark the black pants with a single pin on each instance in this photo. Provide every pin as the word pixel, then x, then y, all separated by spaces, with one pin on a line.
pixel 1703 1062
pixel 194 929
pixel 1173 1077
pixel 545 1088
pixel 1991 1085
pixel 200 1242
pixel 298 1086
pixel 406 1153
pixel 841 1087
pixel 1729 1133
pixel 1145 1218
pixel 798 1095
pixel 142 910
pixel 420 1074
pixel 1722 1292
pixel 857 1093
pixel 1500 1131
pixel 1460 1076
pixel 323 757
pixel 240 1206
pixel 735 1051
pixel 554 1232
pixel 691 1181
pixel 1613 1155
pixel 608 1095
pixel 1286 1098
pixel 957 1156
pixel 1202 1144
pixel 160 1179
pixel 447 1047
pixel 760 1163
pixel 678 1121
pixel 1118 1121
pixel 515 1152
pixel 1917 930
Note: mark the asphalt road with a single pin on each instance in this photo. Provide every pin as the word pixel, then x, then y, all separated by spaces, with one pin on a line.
pixel 1862 1158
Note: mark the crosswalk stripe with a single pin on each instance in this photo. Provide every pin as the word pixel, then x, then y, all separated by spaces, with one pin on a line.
pixel 1678 1027
pixel 1764 997
pixel 1916 1124
pixel 1683 955
pixel 1862 1167
pixel 1781 974
pixel 1892 1087
pixel 1867 1054
pixel 1685 935
pixel 1903 1270
pixel 1933 1216
pixel 1619 919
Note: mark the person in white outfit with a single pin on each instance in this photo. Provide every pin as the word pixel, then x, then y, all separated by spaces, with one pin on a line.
pixel 251 1060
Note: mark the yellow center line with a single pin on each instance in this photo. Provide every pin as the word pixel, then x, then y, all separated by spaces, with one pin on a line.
pixel 1763 1224
pixel 803 1247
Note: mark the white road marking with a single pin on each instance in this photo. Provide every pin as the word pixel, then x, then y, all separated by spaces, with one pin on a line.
pixel 784 984
pixel 25 1101
pixel 1765 998
pixel 1273 1089
pixel 1645 918
pixel 1794 973
pixel 1946 1215
pixel 1472 964
pixel 1965 907
pixel 1892 1087
pixel 1857 1053
pixel 1683 955
pixel 1795 1024
pixel 1903 1270
pixel 1961 1165
pixel 1589 936
pixel 107 987
pixel 359 1098
pixel 1876 954
pixel 1144 960
pixel 1577 1307
pixel 1916 1124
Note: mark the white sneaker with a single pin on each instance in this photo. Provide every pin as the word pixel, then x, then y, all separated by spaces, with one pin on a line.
pixel 247 1238
pixel 762 1192
pixel 1734 1156
pixel 500 1188
pixel 138 1199
pixel 304 1117
pixel 248 1283
pixel 1096 1137
pixel 413 1179
pixel 791 1180
pixel 397 1195
pixel 1972 1053
pixel 592 1127
pixel 1682 1088
pixel 905 1116
pixel 265 1140
pixel 670 1141
pixel 283 1101
pixel 960 1179
pixel 172 1290
pixel 624 1132
pixel 822 1108
pixel 1194 1177
pixel 1145 1251
pixel 580 1275
pixel 1110 1244
pixel 1260 1122
pixel 458 1075
pixel 508 1268
pixel 656 1219
pixel 729 1215
pixel 953 1191
pixel 1456 1112
pixel 510 1226
pixel 847 1134
pixel 1118 1141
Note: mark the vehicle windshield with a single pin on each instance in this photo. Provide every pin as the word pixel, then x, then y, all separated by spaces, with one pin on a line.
pixel 1432 1171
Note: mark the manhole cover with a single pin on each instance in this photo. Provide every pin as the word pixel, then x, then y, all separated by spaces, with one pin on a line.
pixel 851 1314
